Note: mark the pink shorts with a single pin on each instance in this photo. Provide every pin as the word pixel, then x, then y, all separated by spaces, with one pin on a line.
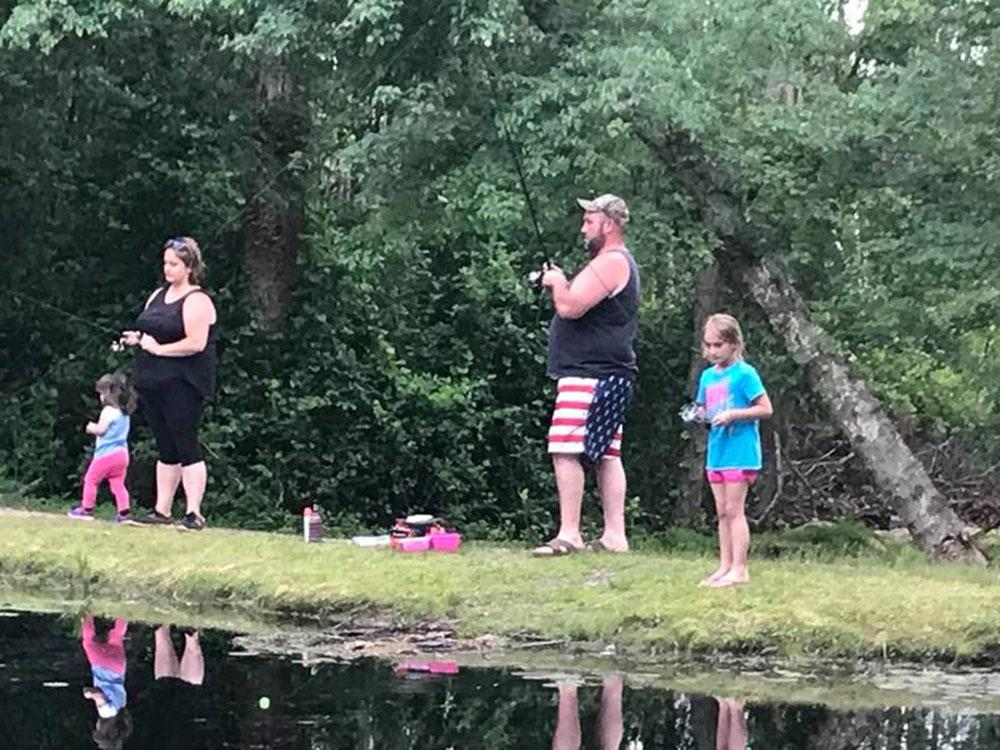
pixel 731 475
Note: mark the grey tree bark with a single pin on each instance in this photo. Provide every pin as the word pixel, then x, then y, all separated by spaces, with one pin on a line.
pixel 273 218
pixel 936 529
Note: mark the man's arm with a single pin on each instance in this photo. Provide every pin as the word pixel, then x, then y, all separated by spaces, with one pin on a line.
pixel 596 281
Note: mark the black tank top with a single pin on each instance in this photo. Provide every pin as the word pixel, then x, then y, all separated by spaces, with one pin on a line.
pixel 164 321
pixel 601 341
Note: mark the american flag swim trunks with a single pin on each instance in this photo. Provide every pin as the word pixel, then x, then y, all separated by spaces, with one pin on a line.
pixel 588 416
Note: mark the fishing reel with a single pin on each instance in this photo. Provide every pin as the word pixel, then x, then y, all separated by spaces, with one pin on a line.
pixel 534 278
pixel 122 343
pixel 693 414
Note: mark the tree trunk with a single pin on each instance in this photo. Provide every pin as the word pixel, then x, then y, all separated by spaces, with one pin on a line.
pixel 722 199
pixel 936 529
pixel 273 220
pixel 688 511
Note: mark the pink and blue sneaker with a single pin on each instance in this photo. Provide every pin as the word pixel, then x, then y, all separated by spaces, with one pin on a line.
pixel 81 514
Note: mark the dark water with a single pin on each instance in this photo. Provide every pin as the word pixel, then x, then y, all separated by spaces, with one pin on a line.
pixel 192 690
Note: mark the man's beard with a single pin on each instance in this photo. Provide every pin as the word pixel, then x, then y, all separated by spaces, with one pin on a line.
pixel 594 244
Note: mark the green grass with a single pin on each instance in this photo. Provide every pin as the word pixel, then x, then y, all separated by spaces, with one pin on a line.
pixel 644 602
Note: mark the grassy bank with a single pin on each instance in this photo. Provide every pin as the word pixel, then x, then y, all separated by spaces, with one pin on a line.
pixel 643 602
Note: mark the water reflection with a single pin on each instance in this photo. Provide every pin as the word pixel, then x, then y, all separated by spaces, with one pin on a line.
pixel 731 727
pixel 106 656
pixel 728 733
pixel 186 689
pixel 187 666
pixel 609 728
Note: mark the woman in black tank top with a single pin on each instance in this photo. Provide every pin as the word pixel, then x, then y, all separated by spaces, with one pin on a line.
pixel 174 374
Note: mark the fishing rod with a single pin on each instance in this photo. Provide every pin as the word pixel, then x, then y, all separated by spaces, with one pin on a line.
pixel 296 160
pixel 102 327
pixel 515 158
pixel 534 277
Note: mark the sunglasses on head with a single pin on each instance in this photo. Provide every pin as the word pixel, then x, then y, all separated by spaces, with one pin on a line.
pixel 174 242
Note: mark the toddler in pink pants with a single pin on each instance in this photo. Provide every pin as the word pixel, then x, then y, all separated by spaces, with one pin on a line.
pixel 110 460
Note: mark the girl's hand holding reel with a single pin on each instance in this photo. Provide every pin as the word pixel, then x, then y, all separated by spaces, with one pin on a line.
pixel 693 414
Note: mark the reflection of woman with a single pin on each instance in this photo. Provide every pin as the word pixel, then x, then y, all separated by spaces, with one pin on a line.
pixel 190 668
pixel 731 731
pixel 107 668
pixel 174 374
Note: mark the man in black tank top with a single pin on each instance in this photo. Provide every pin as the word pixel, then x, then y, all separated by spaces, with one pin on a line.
pixel 592 358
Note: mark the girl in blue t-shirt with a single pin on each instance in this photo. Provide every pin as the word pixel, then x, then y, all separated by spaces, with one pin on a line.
pixel 110 461
pixel 731 398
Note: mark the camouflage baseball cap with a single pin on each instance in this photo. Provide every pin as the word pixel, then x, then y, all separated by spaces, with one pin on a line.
pixel 607 204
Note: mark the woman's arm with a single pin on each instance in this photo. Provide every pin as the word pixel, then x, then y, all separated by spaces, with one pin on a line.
pixel 199 315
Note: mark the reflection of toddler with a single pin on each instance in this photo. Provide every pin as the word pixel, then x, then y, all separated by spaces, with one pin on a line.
pixel 107 666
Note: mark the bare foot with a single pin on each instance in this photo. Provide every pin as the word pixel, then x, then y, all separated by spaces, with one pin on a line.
pixel 709 580
pixel 730 579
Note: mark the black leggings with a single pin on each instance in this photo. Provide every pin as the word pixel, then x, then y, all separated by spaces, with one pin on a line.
pixel 174 411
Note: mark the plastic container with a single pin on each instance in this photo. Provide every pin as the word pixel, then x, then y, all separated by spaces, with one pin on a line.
pixel 446 541
pixel 422 532
pixel 413 544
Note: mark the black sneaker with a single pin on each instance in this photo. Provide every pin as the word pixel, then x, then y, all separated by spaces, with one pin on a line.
pixel 153 518
pixel 191 522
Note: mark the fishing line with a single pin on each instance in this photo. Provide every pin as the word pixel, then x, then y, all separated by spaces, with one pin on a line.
pixel 102 327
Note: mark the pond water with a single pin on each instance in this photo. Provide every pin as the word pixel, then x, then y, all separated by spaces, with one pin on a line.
pixel 173 688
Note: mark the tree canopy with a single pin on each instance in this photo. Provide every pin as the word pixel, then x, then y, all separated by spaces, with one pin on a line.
pixel 371 181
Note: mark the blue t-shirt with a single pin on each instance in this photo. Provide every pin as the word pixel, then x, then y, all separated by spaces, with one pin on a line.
pixel 116 436
pixel 112 685
pixel 736 445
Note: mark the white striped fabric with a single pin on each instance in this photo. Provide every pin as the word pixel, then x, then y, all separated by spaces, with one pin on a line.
pixel 569 419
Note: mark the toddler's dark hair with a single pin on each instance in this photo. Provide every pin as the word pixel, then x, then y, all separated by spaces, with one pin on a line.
pixel 118 391
pixel 111 734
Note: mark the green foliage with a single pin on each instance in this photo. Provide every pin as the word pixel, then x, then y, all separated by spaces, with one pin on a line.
pixel 409 373
pixel 918 383
pixel 826 541
pixel 913 611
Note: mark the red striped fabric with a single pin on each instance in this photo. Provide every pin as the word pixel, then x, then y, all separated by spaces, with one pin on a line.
pixel 567 429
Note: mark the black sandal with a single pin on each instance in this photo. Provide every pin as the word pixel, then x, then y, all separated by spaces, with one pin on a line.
pixel 555 548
